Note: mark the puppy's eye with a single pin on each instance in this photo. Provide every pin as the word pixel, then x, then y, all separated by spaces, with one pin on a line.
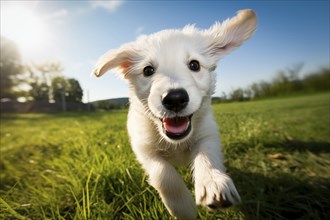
pixel 148 71
pixel 194 66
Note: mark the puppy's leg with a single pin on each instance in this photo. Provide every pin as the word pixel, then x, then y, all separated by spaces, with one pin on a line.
pixel 213 188
pixel 171 188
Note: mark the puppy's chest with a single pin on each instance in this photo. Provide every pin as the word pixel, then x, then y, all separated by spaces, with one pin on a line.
pixel 177 156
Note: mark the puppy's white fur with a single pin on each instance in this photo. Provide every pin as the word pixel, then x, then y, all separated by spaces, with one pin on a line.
pixel 169 53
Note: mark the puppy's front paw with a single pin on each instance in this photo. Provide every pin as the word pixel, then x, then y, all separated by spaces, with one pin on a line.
pixel 216 191
pixel 182 207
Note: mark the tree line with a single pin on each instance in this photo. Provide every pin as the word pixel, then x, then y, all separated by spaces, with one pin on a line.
pixel 34 81
pixel 285 82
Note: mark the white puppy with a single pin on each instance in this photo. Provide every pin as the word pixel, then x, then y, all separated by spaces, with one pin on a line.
pixel 170 120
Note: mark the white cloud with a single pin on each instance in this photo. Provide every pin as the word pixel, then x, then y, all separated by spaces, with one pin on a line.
pixel 58 16
pixel 139 30
pixel 111 5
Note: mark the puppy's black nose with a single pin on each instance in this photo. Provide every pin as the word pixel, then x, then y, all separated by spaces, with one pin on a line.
pixel 175 99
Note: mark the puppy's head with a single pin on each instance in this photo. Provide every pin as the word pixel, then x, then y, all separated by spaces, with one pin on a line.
pixel 172 72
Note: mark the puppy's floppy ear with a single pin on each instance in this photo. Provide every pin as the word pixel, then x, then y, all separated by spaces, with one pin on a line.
pixel 231 33
pixel 122 58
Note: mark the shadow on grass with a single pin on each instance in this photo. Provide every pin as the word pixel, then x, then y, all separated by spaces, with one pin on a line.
pixel 282 197
pixel 273 195
pixel 273 191
pixel 129 194
pixel 312 146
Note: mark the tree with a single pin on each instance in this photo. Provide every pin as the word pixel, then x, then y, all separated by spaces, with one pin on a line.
pixel 39 79
pixel 294 70
pixel 39 91
pixel 10 67
pixel 248 93
pixel 237 95
pixel 318 81
pixel 70 88
pixel 265 89
pixel 256 91
pixel 280 84
pixel 75 92
pixel 58 88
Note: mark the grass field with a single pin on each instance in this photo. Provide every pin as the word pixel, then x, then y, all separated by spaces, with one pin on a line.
pixel 80 165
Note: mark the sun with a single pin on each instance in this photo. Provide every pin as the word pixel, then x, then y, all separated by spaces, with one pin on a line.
pixel 25 27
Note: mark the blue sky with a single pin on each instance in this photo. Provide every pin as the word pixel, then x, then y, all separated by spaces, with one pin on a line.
pixel 76 33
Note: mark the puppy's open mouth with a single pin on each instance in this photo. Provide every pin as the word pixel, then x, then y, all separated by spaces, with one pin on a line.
pixel 178 127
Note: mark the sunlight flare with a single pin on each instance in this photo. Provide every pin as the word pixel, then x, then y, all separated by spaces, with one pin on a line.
pixel 25 27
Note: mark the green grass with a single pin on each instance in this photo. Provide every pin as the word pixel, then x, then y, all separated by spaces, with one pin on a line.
pixel 80 165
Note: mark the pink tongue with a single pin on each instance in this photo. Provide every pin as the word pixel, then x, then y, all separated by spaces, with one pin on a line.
pixel 176 125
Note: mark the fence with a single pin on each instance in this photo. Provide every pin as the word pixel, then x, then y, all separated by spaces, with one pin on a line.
pixel 28 107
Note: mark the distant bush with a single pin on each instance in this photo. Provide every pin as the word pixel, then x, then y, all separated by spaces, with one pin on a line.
pixel 319 81
pixel 284 83
pixel 108 105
